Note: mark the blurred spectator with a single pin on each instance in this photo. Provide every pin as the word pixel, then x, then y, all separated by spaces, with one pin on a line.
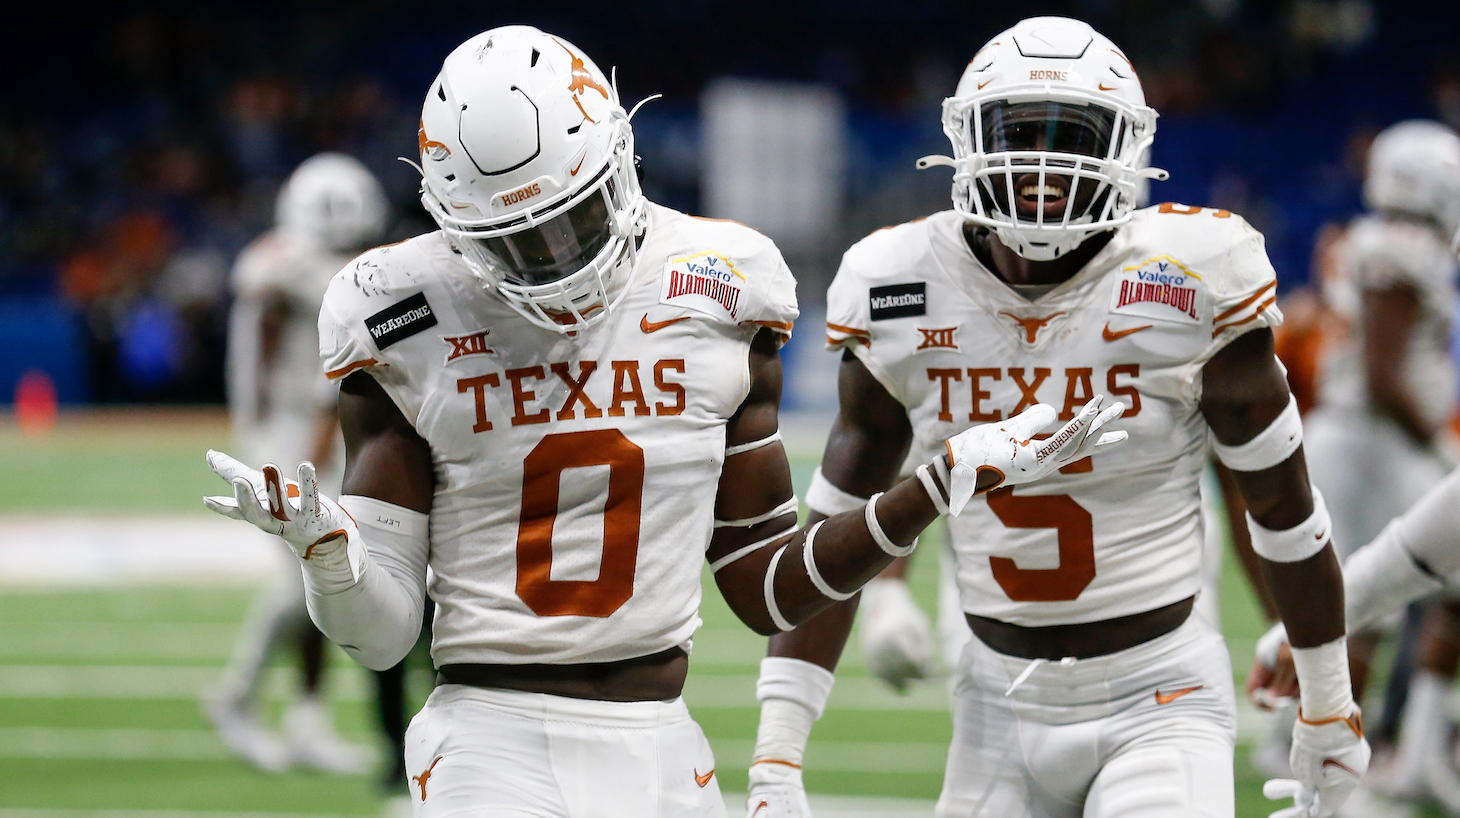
pixel 130 192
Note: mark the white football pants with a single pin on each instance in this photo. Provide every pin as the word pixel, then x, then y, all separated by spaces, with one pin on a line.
pixel 1144 733
pixel 475 751
pixel 1368 470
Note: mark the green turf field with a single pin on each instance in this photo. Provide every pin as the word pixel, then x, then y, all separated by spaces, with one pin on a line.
pixel 98 708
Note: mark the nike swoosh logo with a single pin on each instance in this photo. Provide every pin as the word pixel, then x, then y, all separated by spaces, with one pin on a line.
pixel 1102 87
pixel 1328 762
pixel 1108 335
pixel 654 326
pixel 763 805
pixel 985 82
pixel 574 171
pixel 1167 698
pixel 702 780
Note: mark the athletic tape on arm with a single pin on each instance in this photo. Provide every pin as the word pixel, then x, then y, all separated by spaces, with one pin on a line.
pixel 731 451
pixel 791 506
pixel 793 695
pixel 1272 445
pixel 828 500
pixel 377 619
pixel 1323 680
pixel 1297 543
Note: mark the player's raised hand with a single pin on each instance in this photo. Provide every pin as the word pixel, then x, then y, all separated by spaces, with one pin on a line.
pixel 1009 451
pixel 1328 758
pixel 315 526
pixel 776 791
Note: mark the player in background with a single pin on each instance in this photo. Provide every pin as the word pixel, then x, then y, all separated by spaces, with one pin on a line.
pixel 1387 387
pixel 555 409
pixel 1088 689
pixel 283 409
pixel 1387 391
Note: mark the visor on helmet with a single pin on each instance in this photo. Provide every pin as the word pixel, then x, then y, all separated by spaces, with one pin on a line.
pixel 1058 127
pixel 550 250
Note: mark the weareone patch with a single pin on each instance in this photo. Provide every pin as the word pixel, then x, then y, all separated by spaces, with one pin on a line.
pixel 706 282
pixel 1161 289
pixel 898 300
pixel 400 321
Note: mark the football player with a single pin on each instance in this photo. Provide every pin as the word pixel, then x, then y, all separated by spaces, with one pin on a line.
pixel 1388 383
pixel 282 408
pixel 556 408
pixel 1088 688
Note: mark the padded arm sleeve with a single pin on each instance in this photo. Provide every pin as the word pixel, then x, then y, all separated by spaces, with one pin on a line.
pixel 1414 556
pixel 378 618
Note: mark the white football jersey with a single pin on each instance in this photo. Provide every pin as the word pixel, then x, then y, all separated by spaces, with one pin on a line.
pixel 275 409
pixel 1379 253
pixel 1115 534
pixel 575 475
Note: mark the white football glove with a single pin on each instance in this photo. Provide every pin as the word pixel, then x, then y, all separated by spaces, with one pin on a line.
pixel 316 527
pixel 897 638
pixel 776 791
pixel 1328 759
pixel 1008 448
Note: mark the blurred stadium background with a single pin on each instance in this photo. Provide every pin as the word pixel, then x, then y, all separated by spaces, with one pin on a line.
pixel 142 145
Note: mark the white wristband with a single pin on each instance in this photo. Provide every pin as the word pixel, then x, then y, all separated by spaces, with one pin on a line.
pixel 793 696
pixel 828 500
pixel 1297 543
pixel 875 528
pixel 1323 680
pixel 931 487
pixel 1272 445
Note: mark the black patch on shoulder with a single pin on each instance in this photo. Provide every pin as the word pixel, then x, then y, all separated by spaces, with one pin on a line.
pixel 898 300
pixel 400 321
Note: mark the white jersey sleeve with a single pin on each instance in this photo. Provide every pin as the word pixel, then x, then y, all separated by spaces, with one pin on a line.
pixel 1236 271
pixel 1384 253
pixel 363 299
pixel 877 281
pixel 772 303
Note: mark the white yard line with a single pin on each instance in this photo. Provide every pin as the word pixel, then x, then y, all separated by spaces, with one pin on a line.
pixel 114 744
pixel 135 744
pixel 118 640
pixel 154 682
pixel 192 549
pixel 840 806
pixel 849 756
pixel 12 812
pixel 96 681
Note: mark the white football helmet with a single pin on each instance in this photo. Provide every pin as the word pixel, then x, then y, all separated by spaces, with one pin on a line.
pixel 1050 133
pixel 527 164
pixel 1414 167
pixel 332 201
